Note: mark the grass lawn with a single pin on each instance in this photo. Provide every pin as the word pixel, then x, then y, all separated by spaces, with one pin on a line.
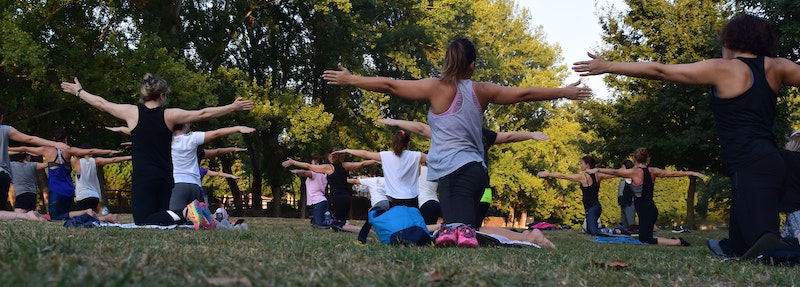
pixel 289 252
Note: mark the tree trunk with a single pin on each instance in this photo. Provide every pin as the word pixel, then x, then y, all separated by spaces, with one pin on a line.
pixel 277 194
pixel 101 179
pixel 303 199
pixel 522 219
pixel 690 202
pixel 511 218
pixel 226 165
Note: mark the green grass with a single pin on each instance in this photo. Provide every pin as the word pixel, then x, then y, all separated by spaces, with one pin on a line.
pixel 289 252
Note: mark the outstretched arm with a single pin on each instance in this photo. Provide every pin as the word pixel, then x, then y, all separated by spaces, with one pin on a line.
pixel 665 173
pixel 222 174
pixel 212 135
pixel 128 113
pixel 510 137
pixel 360 164
pixel 571 177
pixel 418 128
pixel 18 136
pixel 93 151
pixel 124 130
pixel 407 89
pixel 318 168
pixel 361 153
pixel 301 172
pixel 626 173
pixel 107 160
pixel 709 72
pixel 34 150
pixel 174 116
pixel 493 93
pixel 209 153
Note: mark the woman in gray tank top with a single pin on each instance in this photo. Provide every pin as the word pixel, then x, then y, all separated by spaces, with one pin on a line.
pixel 456 117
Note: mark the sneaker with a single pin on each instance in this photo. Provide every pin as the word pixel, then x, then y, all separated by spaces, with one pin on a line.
pixel 446 236
pixel 195 215
pixel 680 229
pixel 466 237
pixel 208 217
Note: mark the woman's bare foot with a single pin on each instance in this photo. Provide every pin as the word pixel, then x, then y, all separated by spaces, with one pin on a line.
pixel 34 216
pixel 537 237
pixel 110 218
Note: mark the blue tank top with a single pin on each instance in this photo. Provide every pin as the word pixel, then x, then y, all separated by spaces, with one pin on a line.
pixel 745 123
pixel 59 179
pixel 456 136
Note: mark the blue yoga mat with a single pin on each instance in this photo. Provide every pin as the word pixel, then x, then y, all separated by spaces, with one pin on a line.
pixel 626 240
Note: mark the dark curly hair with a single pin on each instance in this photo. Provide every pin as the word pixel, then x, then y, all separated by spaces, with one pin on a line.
pixel 749 33
pixel 589 160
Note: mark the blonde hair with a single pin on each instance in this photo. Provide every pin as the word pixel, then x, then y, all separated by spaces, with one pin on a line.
pixel 793 141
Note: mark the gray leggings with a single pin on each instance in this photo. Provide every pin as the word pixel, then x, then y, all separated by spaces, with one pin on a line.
pixel 183 194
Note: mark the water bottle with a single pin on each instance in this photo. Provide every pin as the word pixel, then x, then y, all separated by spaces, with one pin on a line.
pixel 328 218
pixel 104 211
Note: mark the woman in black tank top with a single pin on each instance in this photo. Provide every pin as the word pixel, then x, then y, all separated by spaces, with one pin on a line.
pixel 644 177
pixel 590 187
pixel 339 196
pixel 150 125
pixel 745 82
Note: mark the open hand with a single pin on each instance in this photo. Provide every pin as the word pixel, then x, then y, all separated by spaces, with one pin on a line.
pixel 338 77
pixel 595 66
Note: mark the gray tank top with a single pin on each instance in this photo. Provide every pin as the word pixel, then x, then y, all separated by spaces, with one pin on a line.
pixel 456 134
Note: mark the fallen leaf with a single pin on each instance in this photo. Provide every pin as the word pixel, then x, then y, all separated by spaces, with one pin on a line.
pixel 433 276
pixel 617 264
pixel 613 264
pixel 221 281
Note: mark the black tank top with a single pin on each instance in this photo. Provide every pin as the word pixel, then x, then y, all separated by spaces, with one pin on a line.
pixel 338 180
pixel 590 193
pixel 745 123
pixel 151 146
pixel 648 185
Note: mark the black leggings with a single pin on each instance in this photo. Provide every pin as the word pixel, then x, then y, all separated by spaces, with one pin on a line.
pixel 754 201
pixel 5 185
pixel 431 211
pixel 340 205
pixel 410 202
pixel 460 193
pixel 150 202
pixel 648 214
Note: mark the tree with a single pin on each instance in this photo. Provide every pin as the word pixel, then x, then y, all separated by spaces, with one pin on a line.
pixel 673 121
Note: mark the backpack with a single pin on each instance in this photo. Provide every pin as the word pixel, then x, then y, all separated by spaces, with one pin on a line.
pixel 627 195
pixel 400 225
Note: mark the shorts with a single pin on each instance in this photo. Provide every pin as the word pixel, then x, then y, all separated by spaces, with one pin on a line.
pixel 26 201
pixel 87 203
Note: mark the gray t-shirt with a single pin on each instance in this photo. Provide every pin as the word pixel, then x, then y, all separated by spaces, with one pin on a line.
pixel 24 178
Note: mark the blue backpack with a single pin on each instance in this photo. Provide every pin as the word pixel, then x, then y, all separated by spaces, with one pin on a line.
pixel 400 225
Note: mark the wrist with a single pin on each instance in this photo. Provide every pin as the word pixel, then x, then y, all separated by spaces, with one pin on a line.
pixel 78 92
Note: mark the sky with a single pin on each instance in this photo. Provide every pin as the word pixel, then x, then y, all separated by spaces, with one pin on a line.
pixel 573 24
